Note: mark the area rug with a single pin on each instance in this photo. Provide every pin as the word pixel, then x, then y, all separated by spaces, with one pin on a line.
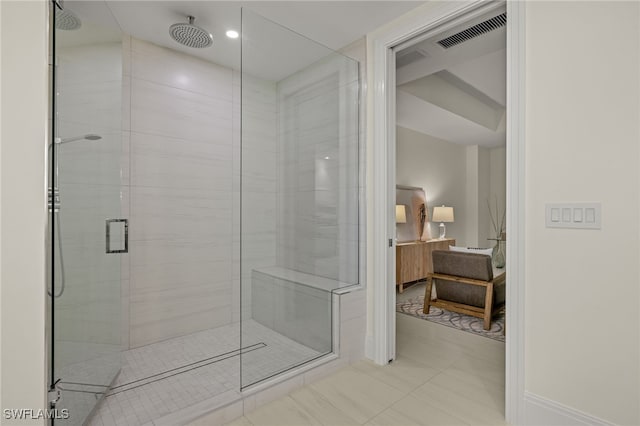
pixel 462 322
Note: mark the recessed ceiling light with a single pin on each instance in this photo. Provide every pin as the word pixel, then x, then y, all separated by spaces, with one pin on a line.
pixel 327 158
pixel 232 34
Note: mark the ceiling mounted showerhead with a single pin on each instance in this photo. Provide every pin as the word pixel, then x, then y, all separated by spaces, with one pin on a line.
pixel 190 35
pixel 67 20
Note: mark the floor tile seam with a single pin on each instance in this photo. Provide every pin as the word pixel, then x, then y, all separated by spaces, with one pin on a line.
pixel 444 346
pixel 440 365
pixel 499 383
pixel 319 395
pixel 280 400
pixel 487 357
pixel 391 402
pixel 481 405
pixel 438 371
pixel 379 380
pixel 433 406
pixel 442 373
pixel 490 384
pixel 473 399
pixel 424 364
pixel 380 412
pixel 303 409
pixel 455 414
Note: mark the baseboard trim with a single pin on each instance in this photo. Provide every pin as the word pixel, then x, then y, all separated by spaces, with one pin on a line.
pixel 542 411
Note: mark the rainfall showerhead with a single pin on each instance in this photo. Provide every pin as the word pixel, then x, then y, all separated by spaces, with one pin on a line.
pixel 190 35
pixel 67 20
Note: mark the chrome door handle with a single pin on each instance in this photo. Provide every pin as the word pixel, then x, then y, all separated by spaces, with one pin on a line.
pixel 125 222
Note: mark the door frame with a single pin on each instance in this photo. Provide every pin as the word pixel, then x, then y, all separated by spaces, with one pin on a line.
pixel 433 18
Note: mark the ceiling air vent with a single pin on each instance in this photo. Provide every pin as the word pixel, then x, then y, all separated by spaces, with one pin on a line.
pixel 474 31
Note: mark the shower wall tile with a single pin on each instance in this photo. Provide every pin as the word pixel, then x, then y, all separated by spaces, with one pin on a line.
pixel 154 321
pixel 181 177
pixel 90 63
pixel 259 171
pixel 159 161
pixel 256 154
pixel 92 103
pixel 126 55
pixel 158 252
pixel 126 102
pixel 179 70
pixel 157 109
pixel 125 291
pixel 318 171
pixel 185 191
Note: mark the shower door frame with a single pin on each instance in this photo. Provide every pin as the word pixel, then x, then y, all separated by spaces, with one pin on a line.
pixel 52 250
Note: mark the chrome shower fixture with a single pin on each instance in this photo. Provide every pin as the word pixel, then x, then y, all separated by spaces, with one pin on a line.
pixel 89 137
pixel 191 35
pixel 67 20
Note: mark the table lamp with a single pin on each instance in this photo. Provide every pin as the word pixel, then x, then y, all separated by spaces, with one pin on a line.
pixel 443 214
pixel 401 216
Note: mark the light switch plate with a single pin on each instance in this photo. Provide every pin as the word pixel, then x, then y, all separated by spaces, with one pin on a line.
pixel 573 215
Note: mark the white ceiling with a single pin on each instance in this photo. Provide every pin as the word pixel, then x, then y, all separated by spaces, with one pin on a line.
pixel 477 67
pixel 333 24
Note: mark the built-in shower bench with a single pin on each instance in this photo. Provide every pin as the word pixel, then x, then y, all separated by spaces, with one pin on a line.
pixel 296 304
pixel 308 280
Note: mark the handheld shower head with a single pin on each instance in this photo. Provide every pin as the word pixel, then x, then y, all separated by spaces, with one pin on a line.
pixel 89 137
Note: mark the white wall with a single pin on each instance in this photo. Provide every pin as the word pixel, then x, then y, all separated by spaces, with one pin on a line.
pixel 439 167
pixel 23 216
pixel 497 185
pixel 582 301
pixel 454 175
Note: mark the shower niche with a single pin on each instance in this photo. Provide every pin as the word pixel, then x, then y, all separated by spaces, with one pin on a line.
pixel 231 175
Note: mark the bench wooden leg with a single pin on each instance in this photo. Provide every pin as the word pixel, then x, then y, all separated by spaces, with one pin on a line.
pixel 427 296
pixel 488 305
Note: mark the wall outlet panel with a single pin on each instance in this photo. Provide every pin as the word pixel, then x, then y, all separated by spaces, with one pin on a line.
pixel 574 215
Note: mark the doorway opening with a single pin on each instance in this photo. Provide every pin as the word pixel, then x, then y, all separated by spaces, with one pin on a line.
pixel 382 47
pixel 450 205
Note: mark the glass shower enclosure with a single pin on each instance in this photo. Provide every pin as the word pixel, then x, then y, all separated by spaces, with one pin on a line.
pixel 299 195
pixel 204 209
pixel 88 213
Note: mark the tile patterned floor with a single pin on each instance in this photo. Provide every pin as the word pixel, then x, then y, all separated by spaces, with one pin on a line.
pixel 170 376
pixel 441 376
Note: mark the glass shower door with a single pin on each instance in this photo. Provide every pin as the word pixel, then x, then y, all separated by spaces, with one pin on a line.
pixel 299 196
pixel 88 207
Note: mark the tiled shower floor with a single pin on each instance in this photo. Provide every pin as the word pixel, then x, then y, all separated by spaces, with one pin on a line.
pixel 165 377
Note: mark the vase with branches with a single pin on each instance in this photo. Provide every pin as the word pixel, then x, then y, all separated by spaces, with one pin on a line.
pixel 498 222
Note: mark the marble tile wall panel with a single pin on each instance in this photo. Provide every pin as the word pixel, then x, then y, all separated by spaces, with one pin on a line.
pixel 301 313
pixel 181 194
pixel 318 182
pixel 256 160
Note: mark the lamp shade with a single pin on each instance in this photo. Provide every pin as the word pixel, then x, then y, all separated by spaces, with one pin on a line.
pixel 442 214
pixel 401 213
